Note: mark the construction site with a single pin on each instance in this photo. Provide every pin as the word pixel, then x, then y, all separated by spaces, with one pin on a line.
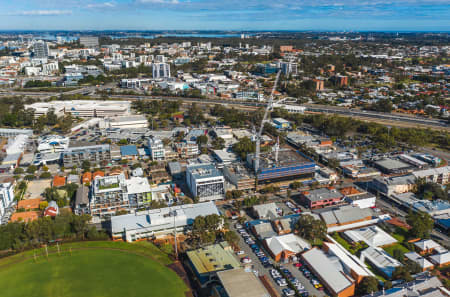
pixel 282 166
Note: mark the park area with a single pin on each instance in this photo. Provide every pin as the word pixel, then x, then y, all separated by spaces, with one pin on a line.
pixel 91 269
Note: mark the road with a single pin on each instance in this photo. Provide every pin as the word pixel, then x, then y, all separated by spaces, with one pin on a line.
pixel 376 115
pixel 369 115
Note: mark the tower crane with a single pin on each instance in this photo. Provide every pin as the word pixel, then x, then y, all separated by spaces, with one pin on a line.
pixel 269 107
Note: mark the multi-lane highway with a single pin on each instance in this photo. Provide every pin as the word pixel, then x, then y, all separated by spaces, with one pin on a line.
pixel 391 119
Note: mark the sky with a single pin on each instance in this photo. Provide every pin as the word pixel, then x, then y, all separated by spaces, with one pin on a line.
pixel 323 15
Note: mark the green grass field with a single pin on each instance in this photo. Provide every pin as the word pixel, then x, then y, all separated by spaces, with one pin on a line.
pixel 94 269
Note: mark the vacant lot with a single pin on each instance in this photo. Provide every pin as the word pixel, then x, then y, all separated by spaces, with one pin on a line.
pixel 35 188
pixel 90 269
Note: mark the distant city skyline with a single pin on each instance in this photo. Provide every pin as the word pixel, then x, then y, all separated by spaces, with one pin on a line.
pixel 376 15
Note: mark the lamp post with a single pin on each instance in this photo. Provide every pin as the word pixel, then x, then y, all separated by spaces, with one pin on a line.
pixel 174 214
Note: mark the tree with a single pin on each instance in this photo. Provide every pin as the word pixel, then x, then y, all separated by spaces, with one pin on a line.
pixel 421 224
pixel 402 272
pixel 310 228
pixel 399 255
pixel 29 177
pixel 123 142
pixel 243 147
pixel 367 286
pixel 86 165
pixel 45 175
pixel 31 169
pixel 202 140
pixel 19 170
pixel 43 205
pixel 231 237
pixel 218 143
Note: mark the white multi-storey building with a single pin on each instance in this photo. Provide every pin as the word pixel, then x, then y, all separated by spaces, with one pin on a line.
pixel 288 68
pixel 89 41
pixel 113 193
pixel 157 150
pixel 205 182
pixel 40 49
pixel 161 70
pixel 6 199
pixel 82 108
pixel 53 144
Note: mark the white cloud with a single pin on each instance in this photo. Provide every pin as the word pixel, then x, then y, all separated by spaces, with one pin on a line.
pixel 41 12
pixel 102 5
pixel 158 1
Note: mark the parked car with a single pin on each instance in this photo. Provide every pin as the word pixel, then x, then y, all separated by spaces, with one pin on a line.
pixel 274 273
pixel 239 253
pixel 246 260
pixel 288 292
pixel 281 282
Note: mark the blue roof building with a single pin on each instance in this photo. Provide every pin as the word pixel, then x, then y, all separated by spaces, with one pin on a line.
pixel 129 151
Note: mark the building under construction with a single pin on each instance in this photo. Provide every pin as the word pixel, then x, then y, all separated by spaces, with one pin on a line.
pixel 282 166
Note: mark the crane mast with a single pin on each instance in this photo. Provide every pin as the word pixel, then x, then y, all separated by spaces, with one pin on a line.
pixel 266 113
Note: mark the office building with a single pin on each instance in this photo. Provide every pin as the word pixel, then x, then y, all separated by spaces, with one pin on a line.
pixel 288 68
pixel 40 50
pixel 132 83
pixel 205 182
pixel 53 144
pixel 125 122
pixel 89 41
pixel 161 70
pixel 6 199
pixel 95 154
pixel 320 198
pixel 393 166
pixel 187 149
pixel 393 185
pixel 82 108
pixel 157 151
pixel 436 175
pixel 158 222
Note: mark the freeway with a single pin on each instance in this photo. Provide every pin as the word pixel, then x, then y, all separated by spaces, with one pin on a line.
pixel 312 108
pixel 377 115
pixel 363 114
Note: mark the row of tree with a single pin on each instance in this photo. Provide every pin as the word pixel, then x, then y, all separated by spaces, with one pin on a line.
pixel 18 236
